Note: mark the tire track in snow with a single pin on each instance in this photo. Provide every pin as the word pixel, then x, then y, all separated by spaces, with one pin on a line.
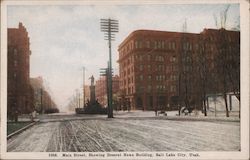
pixel 202 142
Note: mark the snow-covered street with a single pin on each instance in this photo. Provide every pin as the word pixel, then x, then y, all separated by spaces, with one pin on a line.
pixel 79 134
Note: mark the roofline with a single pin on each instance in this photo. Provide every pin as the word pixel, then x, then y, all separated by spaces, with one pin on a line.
pixel 141 31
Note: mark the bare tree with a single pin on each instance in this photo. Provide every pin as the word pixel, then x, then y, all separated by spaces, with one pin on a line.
pixel 186 70
pixel 202 73
pixel 228 59
pixel 221 22
pixel 222 66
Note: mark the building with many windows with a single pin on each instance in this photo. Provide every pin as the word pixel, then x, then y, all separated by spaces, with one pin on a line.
pixel 19 90
pixel 155 67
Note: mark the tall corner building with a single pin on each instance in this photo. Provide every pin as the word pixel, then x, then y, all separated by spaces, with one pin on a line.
pixel 19 91
pixel 152 64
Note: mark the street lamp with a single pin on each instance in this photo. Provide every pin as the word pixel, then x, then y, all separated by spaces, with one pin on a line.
pixel 109 27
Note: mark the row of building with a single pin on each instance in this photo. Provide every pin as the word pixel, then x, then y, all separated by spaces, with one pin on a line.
pixel 24 94
pixel 157 67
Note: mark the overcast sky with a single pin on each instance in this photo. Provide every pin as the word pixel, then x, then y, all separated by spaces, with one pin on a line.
pixel 66 38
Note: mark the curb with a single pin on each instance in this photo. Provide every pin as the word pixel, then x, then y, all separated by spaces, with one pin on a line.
pixel 22 129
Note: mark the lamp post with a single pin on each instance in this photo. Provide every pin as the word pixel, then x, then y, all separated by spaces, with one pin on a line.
pixel 109 27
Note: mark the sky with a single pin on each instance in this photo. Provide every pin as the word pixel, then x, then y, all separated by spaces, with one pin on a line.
pixel 66 38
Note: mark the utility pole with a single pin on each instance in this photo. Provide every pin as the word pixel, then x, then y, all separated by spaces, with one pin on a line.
pixel 83 84
pixel 104 72
pixel 41 100
pixel 79 98
pixel 109 27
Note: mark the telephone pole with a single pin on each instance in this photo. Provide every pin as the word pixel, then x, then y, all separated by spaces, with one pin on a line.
pixel 83 84
pixel 41 93
pixel 109 27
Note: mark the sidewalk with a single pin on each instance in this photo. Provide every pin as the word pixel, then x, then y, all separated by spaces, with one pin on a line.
pixel 20 126
pixel 173 115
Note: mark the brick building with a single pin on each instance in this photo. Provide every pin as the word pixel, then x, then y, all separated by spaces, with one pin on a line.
pixel 20 92
pixel 101 88
pixel 156 66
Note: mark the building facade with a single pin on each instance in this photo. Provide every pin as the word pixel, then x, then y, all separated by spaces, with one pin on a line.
pixel 155 67
pixel 20 92
pixel 101 89
pixel 43 101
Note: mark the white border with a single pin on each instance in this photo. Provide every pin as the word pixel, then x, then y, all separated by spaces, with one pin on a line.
pixel 244 22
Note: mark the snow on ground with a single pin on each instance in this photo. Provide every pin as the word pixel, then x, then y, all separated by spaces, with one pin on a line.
pixel 34 139
pixel 127 132
pixel 219 103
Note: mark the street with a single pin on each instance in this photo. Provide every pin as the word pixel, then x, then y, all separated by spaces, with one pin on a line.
pixel 72 133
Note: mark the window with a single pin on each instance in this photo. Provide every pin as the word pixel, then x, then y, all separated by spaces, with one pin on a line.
pixel 173 78
pixel 174 59
pixel 149 77
pixel 159 58
pixel 141 67
pixel 155 44
pixel 149 67
pixel 149 88
pixel 160 88
pixel 141 77
pixel 160 78
pixel 159 44
pixel 15 51
pixel 173 45
pixel 160 67
pixel 15 63
pixel 163 44
pixel 172 88
pixel 131 45
pixel 136 44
